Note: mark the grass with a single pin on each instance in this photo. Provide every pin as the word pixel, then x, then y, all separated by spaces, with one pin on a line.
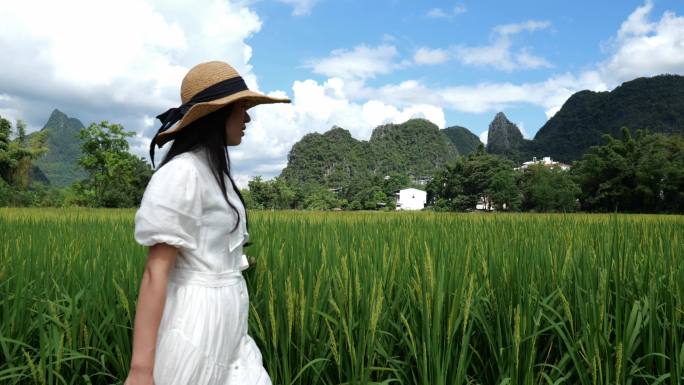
pixel 367 297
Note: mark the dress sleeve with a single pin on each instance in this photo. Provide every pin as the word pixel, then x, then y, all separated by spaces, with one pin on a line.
pixel 170 210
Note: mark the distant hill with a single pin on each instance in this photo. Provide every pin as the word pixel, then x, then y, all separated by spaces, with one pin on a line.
pixel 326 159
pixel 655 104
pixel 59 165
pixel 504 138
pixel 465 141
pixel 416 147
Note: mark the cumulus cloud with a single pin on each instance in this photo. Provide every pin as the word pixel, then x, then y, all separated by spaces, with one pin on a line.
pixel 637 23
pixel 514 28
pixel 498 53
pixel 130 75
pixel 315 107
pixel 439 13
pixel 645 48
pixel 300 7
pixel 362 62
pixel 425 55
pixel 523 131
pixel 483 136
pixel 489 97
pixel 345 100
pixel 74 55
pixel 138 73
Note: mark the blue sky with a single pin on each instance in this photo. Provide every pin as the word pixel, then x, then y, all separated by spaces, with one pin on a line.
pixel 348 63
pixel 578 36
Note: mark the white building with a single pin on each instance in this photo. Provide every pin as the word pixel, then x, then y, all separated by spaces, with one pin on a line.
pixel 421 180
pixel 411 199
pixel 546 161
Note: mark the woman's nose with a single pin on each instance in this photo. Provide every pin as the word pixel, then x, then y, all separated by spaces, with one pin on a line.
pixel 247 118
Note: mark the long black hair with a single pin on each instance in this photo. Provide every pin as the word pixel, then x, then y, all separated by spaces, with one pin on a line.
pixel 208 133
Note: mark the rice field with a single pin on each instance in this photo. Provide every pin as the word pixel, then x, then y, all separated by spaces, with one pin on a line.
pixel 370 298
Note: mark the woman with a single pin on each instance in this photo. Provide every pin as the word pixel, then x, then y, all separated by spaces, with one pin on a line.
pixel 191 317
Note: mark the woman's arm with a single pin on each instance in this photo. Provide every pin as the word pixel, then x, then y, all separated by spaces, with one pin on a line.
pixel 151 300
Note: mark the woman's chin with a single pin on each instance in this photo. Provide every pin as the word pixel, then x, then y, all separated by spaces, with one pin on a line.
pixel 235 143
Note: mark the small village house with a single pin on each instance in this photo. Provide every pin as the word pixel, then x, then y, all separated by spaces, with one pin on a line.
pixel 411 199
pixel 546 161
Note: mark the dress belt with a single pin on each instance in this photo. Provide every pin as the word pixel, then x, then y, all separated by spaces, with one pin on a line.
pixel 207 279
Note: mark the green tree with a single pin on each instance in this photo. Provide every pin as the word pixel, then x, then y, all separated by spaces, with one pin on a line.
pixel 394 182
pixel 503 191
pixel 446 190
pixel 272 194
pixel 115 177
pixel 261 192
pixel 321 199
pixel 642 174
pixel 18 155
pixel 660 172
pixel 247 196
pixel 6 164
pixel 548 189
pixel 461 184
pixel 284 194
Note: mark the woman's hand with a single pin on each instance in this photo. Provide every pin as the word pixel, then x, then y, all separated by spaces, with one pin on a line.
pixel 139 377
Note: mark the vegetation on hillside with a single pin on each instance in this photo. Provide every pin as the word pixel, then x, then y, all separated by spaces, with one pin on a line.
pixel 655 104
pixel 59 166
pixel 465 141
pixel 335 159
pixel 642 173
pixel 414 148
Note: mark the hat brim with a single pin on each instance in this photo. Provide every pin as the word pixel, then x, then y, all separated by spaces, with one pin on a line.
pixel 249 97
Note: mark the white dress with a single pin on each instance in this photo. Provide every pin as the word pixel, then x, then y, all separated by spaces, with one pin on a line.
pixel 202 337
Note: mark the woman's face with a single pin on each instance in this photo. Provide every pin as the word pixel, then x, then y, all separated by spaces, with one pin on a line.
pixel 235 124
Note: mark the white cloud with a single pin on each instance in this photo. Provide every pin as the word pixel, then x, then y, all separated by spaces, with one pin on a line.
pixel 637 23
pixel 498 53
pixel 122 59
pixel 523 131
pixel 138 75
pixel 439 13
pixel 525 59
pixel 315 107
pixel 345 100
pixel 300 7
pixel 118 61
pixel 645 48
pixel 483 136
pixel 129 75
pixel 426 55
pixel 361 63
pixel 386 37
pixel 529 26
pixel 487 97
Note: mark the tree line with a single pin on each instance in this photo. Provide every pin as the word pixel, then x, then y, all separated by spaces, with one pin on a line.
pixel 114 176
pixel 644 173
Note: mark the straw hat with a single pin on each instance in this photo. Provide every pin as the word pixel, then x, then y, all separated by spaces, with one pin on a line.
pixel 207 87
